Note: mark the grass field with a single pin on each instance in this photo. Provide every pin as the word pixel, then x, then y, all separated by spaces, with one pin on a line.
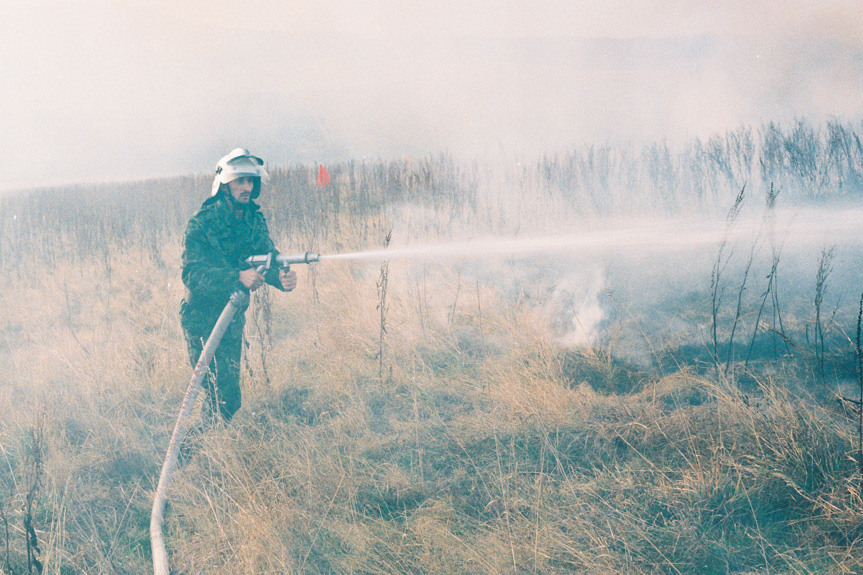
pixel 608 411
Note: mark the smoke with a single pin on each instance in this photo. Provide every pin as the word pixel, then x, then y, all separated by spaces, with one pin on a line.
pixel 642 286
pixel 574 309
pixel 94 90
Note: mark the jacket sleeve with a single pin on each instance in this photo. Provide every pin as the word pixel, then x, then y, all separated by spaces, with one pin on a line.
pixel 206 271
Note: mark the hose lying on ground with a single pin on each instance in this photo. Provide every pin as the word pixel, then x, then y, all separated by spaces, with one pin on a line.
pixel 238 301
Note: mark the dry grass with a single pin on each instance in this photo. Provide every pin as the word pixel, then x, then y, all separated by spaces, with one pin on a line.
pixel 488 448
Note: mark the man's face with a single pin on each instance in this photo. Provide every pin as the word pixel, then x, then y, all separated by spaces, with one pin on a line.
pixel 241 189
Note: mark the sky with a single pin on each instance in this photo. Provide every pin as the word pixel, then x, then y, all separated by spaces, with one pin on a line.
pixel 94 90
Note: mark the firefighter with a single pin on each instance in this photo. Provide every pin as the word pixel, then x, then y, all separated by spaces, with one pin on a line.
pixel 227 229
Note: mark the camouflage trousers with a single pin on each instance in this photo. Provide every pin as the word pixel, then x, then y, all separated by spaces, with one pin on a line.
pixel 222 383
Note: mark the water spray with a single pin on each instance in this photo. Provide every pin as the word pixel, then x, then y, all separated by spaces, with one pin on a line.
pixel 637 235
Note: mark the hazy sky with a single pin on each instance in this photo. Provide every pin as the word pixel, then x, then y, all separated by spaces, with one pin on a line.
pixel 92 90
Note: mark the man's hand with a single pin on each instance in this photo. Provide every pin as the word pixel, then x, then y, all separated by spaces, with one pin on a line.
pixel 251 279
pixel 288 279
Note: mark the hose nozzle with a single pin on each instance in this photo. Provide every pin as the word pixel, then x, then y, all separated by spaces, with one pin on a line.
pixel 288 259
pixel 283 261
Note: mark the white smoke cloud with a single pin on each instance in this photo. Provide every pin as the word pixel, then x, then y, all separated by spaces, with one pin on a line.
pixel 574 310
pixel 93 89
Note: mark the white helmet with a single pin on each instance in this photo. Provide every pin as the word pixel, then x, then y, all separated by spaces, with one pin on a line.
pixel 240 163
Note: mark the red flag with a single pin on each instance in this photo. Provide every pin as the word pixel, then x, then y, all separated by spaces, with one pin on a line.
pixel 323 176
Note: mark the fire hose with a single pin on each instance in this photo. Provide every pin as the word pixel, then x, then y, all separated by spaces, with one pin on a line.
pixel 238 301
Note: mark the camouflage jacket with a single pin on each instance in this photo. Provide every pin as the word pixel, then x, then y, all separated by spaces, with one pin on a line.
pixel 215 247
